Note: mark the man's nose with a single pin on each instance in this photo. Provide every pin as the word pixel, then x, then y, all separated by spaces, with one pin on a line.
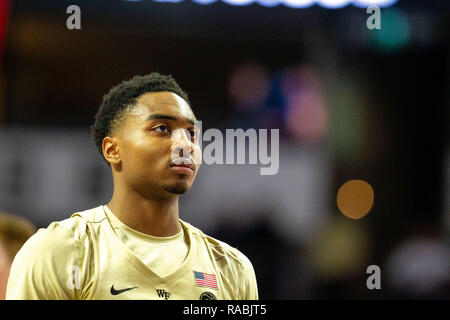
pixel 182 145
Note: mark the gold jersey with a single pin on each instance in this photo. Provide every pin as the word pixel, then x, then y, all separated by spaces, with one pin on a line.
pixel 82 258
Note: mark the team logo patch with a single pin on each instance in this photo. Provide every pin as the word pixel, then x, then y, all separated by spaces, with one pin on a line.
pixel 207 296
pixel 205 280
pixel 163 294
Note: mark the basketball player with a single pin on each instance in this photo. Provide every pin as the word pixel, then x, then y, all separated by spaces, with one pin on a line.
pixel 136 246
pixel 14 232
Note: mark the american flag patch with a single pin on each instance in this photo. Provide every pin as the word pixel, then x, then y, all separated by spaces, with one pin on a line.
pixel 205 280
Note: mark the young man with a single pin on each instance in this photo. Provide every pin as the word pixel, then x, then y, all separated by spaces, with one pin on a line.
pixel 136 246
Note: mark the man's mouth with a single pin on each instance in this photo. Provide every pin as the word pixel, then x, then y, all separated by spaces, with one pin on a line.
pixel 183 163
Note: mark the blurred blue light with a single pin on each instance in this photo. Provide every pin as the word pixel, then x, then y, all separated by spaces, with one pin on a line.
pixel 368 3
pixel 297 4
pixel 268 3
pixel 204 1
pixel 239 2
pixel 333 4
pixel 395 30
pixel 329 4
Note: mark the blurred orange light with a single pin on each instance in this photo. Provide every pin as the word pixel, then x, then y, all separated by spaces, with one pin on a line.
pixel 355 198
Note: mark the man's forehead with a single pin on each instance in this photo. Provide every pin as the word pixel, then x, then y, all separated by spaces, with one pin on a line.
pixel 163 102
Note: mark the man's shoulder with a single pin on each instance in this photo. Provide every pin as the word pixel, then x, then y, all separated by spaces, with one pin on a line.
pixel 63 232
pixel 76 225
pixel 68 238
pixel 219 248
pixel 49 256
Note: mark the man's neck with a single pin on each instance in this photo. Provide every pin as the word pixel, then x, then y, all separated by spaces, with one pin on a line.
pixel 157 218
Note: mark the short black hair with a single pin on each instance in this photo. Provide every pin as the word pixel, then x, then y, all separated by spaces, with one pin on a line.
pixel 124 95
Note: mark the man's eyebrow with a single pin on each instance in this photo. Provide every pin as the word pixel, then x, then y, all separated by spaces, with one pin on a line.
pixel 167 117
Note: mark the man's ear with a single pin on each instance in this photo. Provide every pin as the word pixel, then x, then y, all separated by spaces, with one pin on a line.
pixel 111 150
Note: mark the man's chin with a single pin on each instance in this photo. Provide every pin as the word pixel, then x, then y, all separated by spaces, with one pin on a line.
pixel 178 188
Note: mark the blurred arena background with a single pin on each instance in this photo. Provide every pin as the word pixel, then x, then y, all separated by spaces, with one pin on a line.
pixel 350 103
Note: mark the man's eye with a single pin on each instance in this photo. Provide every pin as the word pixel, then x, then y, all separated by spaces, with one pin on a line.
pixel 162 128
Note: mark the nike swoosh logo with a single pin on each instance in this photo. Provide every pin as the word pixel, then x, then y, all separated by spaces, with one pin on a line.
pixel 115 292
